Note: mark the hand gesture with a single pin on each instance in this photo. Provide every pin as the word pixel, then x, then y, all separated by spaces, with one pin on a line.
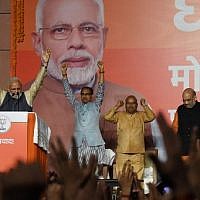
pixel 100 65
pixel 126 178
pixel 143 102
pixel 173 171
pixel 45 57
pixel 22 182
pixel 64 70
pixel 69 171
pixel 119 104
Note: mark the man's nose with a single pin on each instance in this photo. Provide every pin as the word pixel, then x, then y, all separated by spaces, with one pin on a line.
pixel 17 90
pixel 75 40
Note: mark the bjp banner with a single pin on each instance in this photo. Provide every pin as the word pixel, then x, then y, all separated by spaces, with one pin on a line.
pixel 151 46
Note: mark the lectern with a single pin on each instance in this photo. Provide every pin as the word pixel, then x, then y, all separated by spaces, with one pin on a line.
pixel 23 136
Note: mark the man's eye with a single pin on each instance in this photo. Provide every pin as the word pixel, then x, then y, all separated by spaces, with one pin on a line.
pixel 89 29
pixel 60 30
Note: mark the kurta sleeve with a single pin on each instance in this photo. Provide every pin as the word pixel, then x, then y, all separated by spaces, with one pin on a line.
pixel 35 86
pixel 2 95
pixel 99 95
pixel 148 114
pixel 69 93
pixel 111 115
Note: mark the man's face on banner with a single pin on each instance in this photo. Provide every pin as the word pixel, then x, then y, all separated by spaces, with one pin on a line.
pixel 74 32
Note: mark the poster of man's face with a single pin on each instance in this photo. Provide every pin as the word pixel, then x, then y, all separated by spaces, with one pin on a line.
pixel 147 45
pixel 75 34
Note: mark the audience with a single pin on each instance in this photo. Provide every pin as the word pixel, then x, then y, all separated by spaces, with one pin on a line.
pixel 180 178
pixel 25 181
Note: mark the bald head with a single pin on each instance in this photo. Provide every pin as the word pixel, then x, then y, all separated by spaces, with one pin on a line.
pixel 189 97
pixel 131 104
pixel 130 97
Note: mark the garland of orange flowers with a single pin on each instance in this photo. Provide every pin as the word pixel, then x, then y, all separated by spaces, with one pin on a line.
pixel 17 31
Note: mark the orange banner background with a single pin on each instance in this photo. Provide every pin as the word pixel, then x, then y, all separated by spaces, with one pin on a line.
pixel 11 153
pixel 142 42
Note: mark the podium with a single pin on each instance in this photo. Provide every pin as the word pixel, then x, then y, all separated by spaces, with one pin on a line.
pixel 21 138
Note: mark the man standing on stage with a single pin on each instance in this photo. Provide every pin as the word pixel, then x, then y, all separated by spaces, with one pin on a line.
pixel 130 133
pixel 87 112
pixel 15 99
pixel 187 119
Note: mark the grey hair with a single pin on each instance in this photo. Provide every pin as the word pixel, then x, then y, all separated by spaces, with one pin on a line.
pixel 190 91
pixel 14 79
pixel 41 4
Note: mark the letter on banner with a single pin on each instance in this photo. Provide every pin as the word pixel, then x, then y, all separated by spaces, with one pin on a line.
pixel 195 67
pixel 179 18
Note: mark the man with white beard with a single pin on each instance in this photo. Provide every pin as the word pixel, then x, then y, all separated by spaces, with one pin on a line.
pixel 74 31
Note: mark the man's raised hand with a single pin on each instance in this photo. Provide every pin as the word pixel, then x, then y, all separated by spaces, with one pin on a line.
pixel 101 66
pixel 64 70
pixel 119 104
pixel 45 57
pixel 143 102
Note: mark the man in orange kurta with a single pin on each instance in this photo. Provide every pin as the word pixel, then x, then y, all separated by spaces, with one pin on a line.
pixel 130 133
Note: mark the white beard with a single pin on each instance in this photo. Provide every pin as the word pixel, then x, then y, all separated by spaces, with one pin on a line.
pixel 81 76
pixel 76 75
pixel 53 70
pixel 16 96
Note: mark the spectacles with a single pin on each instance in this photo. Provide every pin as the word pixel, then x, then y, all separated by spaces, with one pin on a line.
pixel 63 31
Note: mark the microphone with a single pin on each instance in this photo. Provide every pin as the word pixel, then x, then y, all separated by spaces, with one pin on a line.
pixel 15 94
pixel 17 101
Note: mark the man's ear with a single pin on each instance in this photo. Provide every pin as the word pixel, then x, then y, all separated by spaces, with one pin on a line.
pixel 37 44
pixel 105 30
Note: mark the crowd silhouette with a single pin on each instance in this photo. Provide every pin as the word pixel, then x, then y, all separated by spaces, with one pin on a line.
pixel 180 178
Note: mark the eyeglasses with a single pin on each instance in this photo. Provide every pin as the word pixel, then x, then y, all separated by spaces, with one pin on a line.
pixel 63 31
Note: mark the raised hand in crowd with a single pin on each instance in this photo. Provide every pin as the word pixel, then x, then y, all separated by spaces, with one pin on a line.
pixel 154 194
pixel 174 172
pixel 25 181
pixel 194 164
pixel 79 182
pixel 130 188
pixel 126 178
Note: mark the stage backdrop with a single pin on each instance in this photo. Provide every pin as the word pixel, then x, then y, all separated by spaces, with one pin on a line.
pixel 152 47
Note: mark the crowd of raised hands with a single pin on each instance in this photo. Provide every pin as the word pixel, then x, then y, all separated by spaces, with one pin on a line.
pixel 74 182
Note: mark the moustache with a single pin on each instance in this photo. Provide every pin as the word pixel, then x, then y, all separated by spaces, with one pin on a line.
pixel 74 54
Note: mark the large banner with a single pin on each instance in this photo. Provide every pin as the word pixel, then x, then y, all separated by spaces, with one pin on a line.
pixel 152 47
